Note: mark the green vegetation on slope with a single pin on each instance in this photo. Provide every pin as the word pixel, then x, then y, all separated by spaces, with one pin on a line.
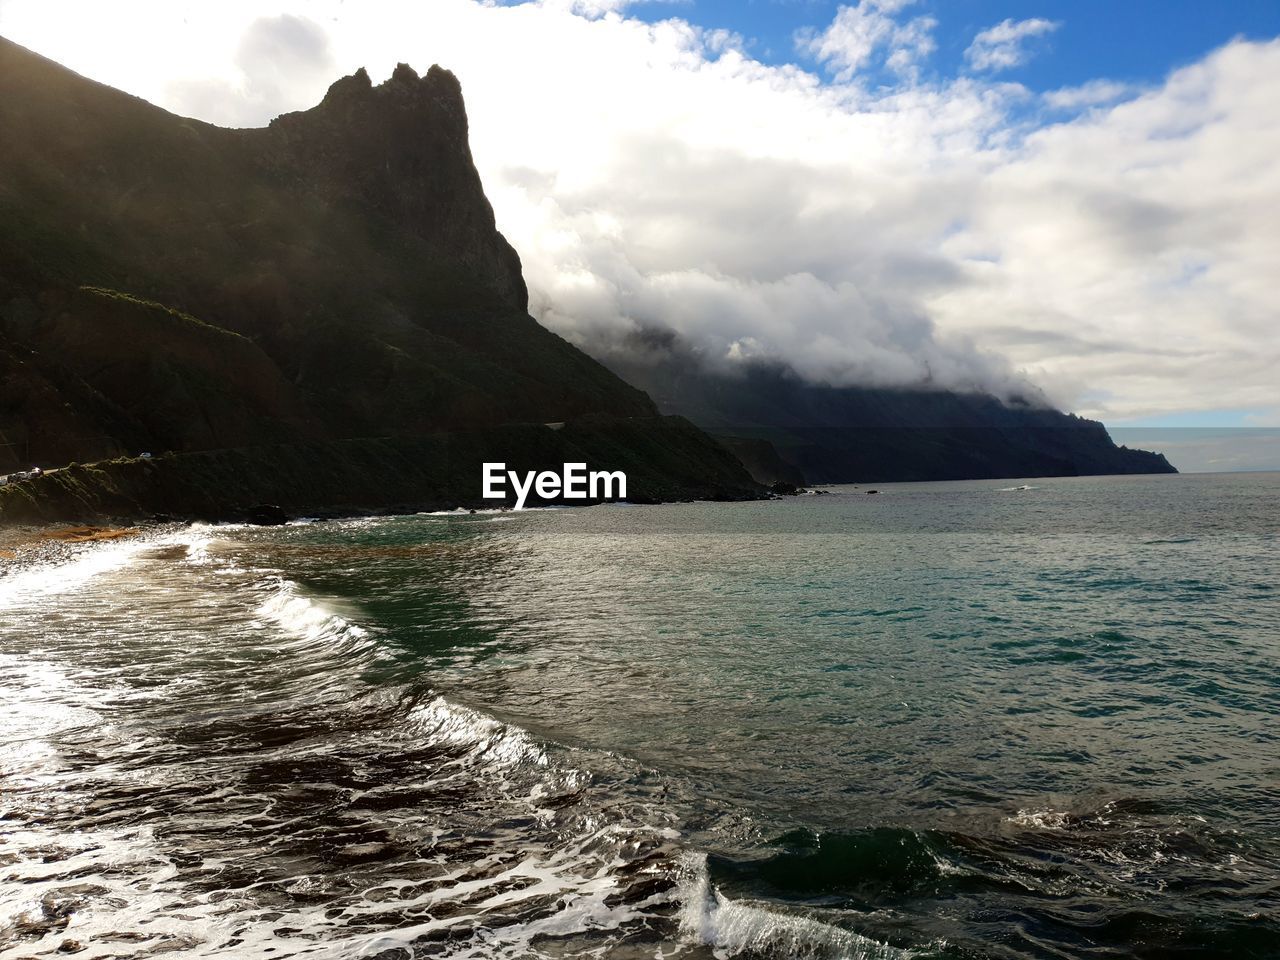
pixel 155 309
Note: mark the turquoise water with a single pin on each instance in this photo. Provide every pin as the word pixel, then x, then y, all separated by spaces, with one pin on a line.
pixel 949 720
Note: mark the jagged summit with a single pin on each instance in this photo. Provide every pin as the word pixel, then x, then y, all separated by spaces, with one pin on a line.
pixel 403 73
pixel 401 148
pixel 439 87
pixel 350 87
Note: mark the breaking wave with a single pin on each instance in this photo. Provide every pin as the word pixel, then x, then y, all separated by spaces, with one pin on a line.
pixel 734 927
pixel 242 783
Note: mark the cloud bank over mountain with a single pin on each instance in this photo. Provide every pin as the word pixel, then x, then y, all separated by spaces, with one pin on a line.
pixel 862 219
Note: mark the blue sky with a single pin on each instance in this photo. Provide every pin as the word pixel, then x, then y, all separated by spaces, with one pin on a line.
pixel 1136 41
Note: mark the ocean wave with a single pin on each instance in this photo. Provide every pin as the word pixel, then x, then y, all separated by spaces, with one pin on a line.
pixel 296 804
pixel 733 927
pixel 803 863
pixel 1041 819
pixel 481 737
pixel 309 618
pixel 89 560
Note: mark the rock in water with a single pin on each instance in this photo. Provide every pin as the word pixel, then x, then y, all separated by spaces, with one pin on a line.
pixel 268 515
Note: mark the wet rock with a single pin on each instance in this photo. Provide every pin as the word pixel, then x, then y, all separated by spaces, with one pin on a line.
pixel 268 515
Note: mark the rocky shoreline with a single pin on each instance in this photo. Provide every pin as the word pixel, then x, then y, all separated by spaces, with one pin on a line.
pixel 664 458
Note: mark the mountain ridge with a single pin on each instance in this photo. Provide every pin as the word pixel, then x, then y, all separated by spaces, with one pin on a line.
pixel 852 434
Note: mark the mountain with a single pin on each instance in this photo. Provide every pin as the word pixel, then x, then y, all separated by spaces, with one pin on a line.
pixel 860 434
pixel 171 286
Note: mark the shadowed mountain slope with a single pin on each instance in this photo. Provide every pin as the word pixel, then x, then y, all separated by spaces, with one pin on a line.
pixel 170 285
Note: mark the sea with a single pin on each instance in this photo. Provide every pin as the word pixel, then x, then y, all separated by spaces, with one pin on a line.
pixel 988 719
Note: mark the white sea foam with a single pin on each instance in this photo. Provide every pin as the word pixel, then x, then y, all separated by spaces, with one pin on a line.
pixel 1040 819
pixel 96 559
pixel 483 511
pixel 731 927
pixel 483 737
pixel 49 579
pixel 309 618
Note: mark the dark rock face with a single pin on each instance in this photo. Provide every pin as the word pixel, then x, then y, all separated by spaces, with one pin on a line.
pixel 168 285
pixel 762 462
pixel 268 515
pixel 401 150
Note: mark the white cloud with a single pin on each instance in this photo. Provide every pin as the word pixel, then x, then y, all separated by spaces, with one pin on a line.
pixel 653 174
pixel 1091 94
pixel 860 32
pixel 1140 236
pixel 1004 46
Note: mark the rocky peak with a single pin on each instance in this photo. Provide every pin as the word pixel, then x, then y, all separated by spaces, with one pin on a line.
pixel 348 88
pixel 401 150
pixel 419 111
